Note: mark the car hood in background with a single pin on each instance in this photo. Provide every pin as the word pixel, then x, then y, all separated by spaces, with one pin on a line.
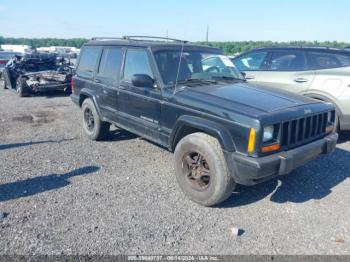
pixel 262 98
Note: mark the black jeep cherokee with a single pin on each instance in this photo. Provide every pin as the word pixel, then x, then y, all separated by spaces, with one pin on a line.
pixel 190 98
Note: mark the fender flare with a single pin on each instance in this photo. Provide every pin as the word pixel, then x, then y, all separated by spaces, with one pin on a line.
pixel 88 93
pixel 207 126
pixel 325 99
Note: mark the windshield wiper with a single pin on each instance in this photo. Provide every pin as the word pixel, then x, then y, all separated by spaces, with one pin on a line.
pixel 197 81
pixel 229 78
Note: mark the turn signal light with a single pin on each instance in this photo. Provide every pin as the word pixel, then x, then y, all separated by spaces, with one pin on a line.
pixel 251 141
pixel 273 147
pixel 329 129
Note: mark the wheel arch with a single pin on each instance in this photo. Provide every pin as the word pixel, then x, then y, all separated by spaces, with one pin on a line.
pixel 186 125
pixel 325 98
pixel 86 93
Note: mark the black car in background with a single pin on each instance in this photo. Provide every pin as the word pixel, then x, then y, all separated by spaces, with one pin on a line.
pixel 190 99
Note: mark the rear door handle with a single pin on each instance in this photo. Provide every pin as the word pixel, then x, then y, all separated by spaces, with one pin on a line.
pixel 301 80
pixel 97 81
pixel 249 77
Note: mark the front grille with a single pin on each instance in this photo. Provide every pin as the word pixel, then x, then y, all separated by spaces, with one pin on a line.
pixel 301 130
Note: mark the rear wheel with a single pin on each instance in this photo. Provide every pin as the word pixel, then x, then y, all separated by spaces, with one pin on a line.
pixel 201 169
pixel 21 87
pixel 94 127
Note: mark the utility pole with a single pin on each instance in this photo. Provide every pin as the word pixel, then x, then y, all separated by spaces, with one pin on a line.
pixel 207 35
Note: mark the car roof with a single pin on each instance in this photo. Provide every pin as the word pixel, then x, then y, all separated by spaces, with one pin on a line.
pixel 157 44
pixel 304 48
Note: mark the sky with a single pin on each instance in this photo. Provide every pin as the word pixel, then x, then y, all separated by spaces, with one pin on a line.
pixel 242 20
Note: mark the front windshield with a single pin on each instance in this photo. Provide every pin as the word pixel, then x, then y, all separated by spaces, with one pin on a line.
pixel 194 65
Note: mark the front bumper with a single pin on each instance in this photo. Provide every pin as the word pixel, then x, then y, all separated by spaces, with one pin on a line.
pixel 250 171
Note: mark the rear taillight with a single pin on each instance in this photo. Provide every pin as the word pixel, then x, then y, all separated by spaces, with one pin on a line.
pixel 72 84
pixel 3 62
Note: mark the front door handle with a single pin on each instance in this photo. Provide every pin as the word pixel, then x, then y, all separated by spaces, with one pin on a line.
pixel 249 77
pixel 301 80
pixel 97 81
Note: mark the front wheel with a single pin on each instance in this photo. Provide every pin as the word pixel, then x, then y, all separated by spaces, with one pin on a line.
pixel 2 82
pixel 93 126
pixel 201 169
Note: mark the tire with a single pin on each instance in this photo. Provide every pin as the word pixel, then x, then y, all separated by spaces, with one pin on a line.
pixel 22 88
pixel 3 84
pixel 191 172
pixel 93 126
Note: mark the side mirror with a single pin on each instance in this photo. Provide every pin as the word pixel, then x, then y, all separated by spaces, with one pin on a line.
pixel 243 74
pixel 142 80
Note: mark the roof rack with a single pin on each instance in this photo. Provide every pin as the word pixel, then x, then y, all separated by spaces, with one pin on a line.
pixel 141 38
pixel 107 38
pixel 153 38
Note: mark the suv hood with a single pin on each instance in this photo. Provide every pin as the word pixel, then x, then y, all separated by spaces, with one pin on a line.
pixel 245 97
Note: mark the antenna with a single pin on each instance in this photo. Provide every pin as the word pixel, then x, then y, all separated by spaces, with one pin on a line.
pixel 178 68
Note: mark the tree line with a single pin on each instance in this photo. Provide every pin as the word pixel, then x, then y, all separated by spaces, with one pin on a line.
pixel 232 47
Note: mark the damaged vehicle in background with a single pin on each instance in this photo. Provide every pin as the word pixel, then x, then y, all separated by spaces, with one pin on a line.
pixel 37 73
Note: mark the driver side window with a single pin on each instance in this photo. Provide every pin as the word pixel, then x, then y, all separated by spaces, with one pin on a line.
pixel 136 62
pixel 251 62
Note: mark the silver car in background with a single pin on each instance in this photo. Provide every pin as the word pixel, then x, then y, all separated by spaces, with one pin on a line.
pixel 316 72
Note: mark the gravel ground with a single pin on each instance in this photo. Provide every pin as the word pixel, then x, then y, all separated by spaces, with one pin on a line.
pixel 63 194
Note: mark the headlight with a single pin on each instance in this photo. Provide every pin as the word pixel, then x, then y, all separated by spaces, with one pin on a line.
pixel 268 133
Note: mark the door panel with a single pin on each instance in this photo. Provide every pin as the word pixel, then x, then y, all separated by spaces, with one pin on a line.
pixel 297 82
pixel 139 107
pixel 107 79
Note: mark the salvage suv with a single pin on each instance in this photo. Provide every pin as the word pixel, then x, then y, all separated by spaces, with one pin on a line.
pixel 190 99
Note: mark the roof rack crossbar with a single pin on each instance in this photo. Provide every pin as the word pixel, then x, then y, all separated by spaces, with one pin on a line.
pixel 140 37
pixel 107 38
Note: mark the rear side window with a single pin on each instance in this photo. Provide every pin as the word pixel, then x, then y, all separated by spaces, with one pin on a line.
pixel 88 60
pixel 110 63
pixel 288 61
pixel 250 62
pixel 136 62
pixel 322 60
